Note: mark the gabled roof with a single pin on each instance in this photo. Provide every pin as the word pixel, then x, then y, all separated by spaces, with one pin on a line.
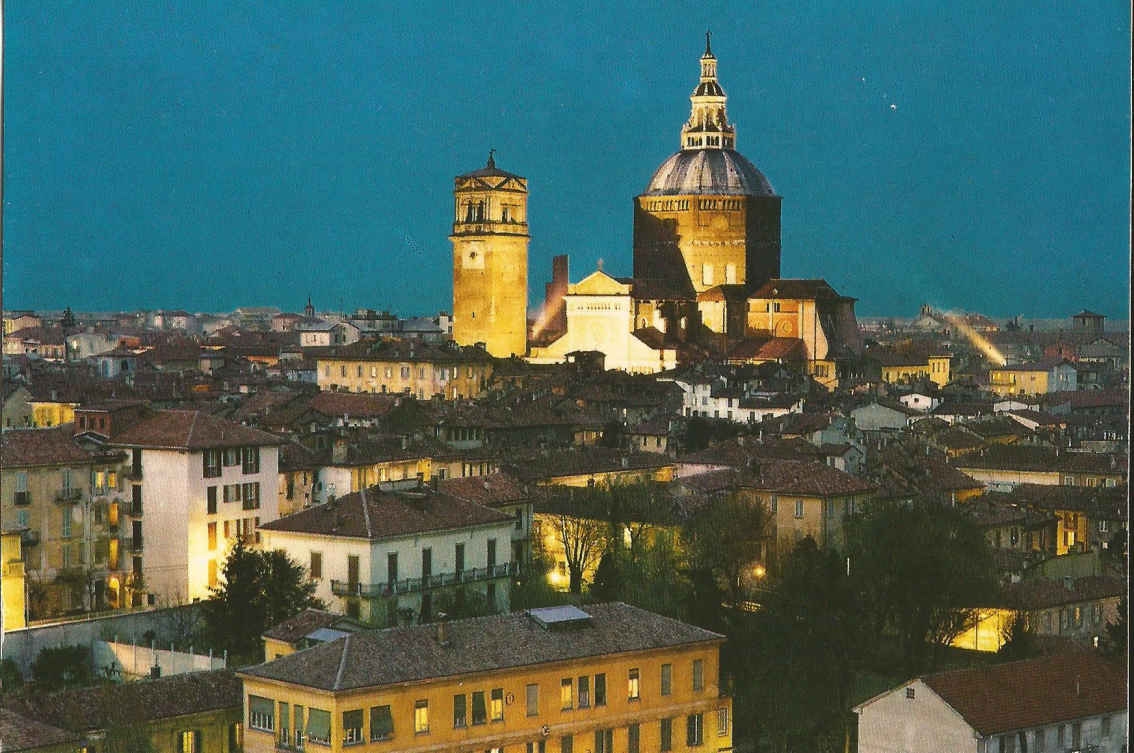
pixel 1032 693
pixel 31 447
pixel 493 490
pixel 598 283
pixel 475 646
pixel 376 514
pixel 190 430
pixel 797 289
pixel 296 628
pixel 24 733
pixel 107 705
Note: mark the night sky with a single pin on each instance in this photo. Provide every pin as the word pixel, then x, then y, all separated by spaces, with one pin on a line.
pixel 207 155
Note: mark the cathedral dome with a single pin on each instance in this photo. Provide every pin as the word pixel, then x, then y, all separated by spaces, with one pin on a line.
pixel 711 172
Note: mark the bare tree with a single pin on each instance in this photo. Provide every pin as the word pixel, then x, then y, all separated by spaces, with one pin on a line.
pixel 583 540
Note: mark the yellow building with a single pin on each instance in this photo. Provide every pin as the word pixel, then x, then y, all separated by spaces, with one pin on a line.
pixel 1039 378
pixel 12 581
pixel 811 311
pixel 416 368
pixel 906 367
pixel 47 413
pixel 195 712
pixel 68 502
pixel 490 260
pixel 556 680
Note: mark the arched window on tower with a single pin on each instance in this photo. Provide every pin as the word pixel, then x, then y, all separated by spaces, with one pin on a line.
pixel 504 214
pixel 469 212
pixel 480 212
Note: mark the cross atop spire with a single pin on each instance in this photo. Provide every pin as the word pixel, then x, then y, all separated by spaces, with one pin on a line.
pixel 491 158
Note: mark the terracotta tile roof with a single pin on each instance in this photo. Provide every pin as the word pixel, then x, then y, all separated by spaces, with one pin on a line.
pixel 106 705
pixel 477 645
pixel 804 478
pixel 408 351
pixel 24 733
pixel 1037 692
pixel 388 514
pixel 493 490
pixel 294 629
pixel 357 405
pixel 995 509
pixel 191 430
pixel 1043 364
pixel 770 348
pixel 1019 457
pixel 1110 502
pixel 794 288
pixel 997 426
pixel 958 438
pixel 544 465
pixel 28 447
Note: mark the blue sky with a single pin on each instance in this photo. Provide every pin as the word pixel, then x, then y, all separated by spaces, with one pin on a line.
pixel 207 155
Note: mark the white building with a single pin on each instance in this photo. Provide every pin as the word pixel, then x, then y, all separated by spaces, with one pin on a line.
pixel 387 556
pixel 196 483
pixel 1068 702
pixel 711 398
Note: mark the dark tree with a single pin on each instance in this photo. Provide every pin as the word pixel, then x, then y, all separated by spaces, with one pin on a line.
pixel 1019 640
pixel 796 657
pixel 62 667
pixel 1114 640
pixel 922 570
pixel 257 590
pixel 725 539
pixel 68 320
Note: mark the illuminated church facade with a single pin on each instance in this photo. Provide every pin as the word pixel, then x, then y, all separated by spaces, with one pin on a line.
pixel 706 280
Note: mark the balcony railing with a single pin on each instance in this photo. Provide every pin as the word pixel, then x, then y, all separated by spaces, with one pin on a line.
pixel 414 585
pixel 68 494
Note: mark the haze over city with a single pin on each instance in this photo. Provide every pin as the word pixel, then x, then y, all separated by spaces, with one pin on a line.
pixel 217 156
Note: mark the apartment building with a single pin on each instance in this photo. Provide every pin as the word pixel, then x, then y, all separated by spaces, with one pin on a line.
pixel 550 680
pixel 386 555
pixel 195 483
pixel 66 503
pixel 417 368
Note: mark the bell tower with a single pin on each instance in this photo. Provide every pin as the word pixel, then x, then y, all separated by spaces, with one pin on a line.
pixel 490 260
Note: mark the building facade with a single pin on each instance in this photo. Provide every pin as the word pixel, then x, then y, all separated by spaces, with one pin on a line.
pixel 612 678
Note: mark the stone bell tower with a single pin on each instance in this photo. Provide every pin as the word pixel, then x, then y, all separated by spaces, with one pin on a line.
pixel 490 260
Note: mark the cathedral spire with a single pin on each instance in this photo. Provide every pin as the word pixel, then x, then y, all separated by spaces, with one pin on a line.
pixel 708 126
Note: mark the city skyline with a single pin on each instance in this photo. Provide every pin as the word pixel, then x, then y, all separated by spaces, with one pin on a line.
pixel 335 140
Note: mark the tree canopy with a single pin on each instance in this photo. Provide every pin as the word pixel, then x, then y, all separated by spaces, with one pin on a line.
pixel 258 589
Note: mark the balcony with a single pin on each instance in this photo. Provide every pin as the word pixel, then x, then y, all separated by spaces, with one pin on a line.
pixel 68 495
pixel 416 585
pixel 135 473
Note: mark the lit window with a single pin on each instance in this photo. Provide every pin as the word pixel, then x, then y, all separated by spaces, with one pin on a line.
pixel 632 685
pixel 421 717
pixel 566 694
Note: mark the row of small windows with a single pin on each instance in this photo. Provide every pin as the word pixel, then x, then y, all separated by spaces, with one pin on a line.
pixel 729 277
pixel 667 205
pixel 478 707
pixel 246 457
pixel 405 372
pixel 709 141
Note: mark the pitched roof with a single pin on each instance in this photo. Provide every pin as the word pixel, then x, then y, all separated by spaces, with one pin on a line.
pixel 1018 457
pixel 794 288
pixel 477 645
pixel 1031 693
pixel 27 447
pixel 296 628
pixel 107 705
pixel 388 514
pixel 1041 593
pixel 492 490
pixel 190 430
pixel 24 733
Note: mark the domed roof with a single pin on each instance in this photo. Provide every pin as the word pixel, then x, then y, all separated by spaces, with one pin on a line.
pixel 708 172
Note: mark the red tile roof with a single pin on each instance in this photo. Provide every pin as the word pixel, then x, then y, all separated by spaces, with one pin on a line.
pixel 295 628
pixel 27 447
pixel 23 733
pixel 190 430
pixel 1033 693
pixel 492 490
pixel 387 515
